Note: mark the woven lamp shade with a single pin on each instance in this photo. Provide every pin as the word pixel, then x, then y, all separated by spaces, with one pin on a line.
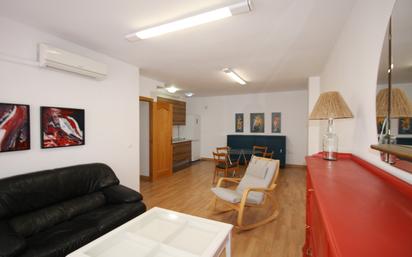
pixel 401 106
pixel 330 105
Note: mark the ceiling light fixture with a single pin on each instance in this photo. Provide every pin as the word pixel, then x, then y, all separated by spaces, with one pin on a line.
pixel 202 18
pixel 189 94
pixel 172 89
pixel 234 76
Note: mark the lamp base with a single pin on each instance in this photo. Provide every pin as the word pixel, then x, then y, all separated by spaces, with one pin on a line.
pixel 330 143
pixel 330 156
pixel 388 139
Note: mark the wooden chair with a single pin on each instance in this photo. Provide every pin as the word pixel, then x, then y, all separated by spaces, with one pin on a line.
pixel 255 189
pixel 268 155
pixel 226 149
pixel 259 150
pixel 223 149
pixel 223 164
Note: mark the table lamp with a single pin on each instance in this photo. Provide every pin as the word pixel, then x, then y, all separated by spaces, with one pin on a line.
pixel 391 104
pixel 330 106
pixel 401 106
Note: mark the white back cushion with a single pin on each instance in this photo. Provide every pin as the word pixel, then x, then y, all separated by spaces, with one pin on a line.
pixel 259 173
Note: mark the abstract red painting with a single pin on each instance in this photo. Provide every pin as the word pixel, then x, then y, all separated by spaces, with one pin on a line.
pixel 61 127
pixel 14 127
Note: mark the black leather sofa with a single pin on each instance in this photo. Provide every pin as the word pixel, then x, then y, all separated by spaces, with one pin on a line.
pixel 54 212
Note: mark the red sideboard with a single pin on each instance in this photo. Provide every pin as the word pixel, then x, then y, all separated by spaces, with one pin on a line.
pixel 355 209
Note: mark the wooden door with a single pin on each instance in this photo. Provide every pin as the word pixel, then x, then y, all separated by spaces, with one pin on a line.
pixel 162 150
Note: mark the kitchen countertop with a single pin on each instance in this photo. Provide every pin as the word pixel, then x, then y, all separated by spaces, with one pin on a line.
pixel 180 140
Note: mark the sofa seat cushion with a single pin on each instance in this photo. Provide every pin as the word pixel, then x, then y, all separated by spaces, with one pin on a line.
pixel 110 216
pixel 121 194
pixel 11 244
pixel 60 240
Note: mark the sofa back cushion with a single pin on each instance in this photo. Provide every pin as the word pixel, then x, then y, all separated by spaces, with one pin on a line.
pixel 31 192
pixel 33 222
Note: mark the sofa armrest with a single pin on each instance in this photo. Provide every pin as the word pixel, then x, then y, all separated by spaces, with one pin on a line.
pixel 11 244
pixel 121 194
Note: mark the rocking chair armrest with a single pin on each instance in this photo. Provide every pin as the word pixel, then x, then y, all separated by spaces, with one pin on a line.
pixel 260 189
pixel 254 189
pixel 234 180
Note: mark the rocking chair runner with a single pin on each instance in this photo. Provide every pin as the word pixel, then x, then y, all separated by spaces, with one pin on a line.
pixel 254 190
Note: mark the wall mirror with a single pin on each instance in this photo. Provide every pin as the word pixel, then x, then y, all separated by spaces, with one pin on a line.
pixel 394 90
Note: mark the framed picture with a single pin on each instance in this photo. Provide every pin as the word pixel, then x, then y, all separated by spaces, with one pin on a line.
pixel 257 122
pixel 14 127
pixel 239 122
pixel 405 126
pixel 276 122
pixel 61 127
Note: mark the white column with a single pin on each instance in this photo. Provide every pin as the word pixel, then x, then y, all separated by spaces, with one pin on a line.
pixel 314 145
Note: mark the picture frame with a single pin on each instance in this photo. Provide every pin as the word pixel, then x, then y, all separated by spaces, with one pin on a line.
pixel 405 126
pixel 276 122
pixel 257 122
pixel 239 122
pixel 14 127
pixel 61 127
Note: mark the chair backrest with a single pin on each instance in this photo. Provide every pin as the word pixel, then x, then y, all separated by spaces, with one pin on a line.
pixel 33 191
pixel 268 155
pixel 259 150
pixel 223 149
pixel 220 159
pixel 262 173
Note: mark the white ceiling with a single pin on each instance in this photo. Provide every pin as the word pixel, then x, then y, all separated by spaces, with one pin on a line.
pixel 275 47
pixel 401 45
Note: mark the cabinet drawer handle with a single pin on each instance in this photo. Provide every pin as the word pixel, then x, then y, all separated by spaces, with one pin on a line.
pixel 307 227
pixel 311 190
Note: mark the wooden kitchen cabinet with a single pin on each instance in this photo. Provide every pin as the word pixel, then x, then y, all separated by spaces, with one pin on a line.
pixel 179 110
pixel 182 155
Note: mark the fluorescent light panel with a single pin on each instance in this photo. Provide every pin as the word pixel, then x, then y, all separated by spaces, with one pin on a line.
pixel 234 76
pixel 218 14
pixel 172 89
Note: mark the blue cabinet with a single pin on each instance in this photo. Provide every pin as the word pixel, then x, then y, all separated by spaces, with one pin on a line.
pixel 275 144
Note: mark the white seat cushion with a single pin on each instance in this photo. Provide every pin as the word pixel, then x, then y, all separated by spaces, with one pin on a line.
pixel 258 167
pixel 233 196
pixel 226 194
pixel 259 174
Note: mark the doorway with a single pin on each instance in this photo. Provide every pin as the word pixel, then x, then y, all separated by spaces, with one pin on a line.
pixel 145 117
pixel 156 151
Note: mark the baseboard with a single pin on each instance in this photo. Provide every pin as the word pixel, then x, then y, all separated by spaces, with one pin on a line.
pixel 145 178
pixel 295 166
pixel 206 159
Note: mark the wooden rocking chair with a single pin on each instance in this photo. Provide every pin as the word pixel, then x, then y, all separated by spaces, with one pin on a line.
pixel 254 190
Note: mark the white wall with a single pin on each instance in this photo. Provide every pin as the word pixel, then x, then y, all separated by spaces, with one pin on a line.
pixel 352 69
pixel 148 87
pixel 111 106
pixel 218 119
pixel 144 139
pixel 314 144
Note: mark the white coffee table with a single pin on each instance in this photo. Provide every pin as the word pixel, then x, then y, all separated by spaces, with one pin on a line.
pixel 162 233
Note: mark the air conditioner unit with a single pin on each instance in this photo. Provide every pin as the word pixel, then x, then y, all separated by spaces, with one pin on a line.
pixel 59 59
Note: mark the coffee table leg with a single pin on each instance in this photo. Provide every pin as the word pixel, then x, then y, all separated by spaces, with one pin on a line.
pixel 228 245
